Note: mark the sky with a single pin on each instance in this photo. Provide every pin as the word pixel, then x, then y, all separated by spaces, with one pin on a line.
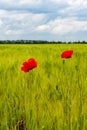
pixel 52 20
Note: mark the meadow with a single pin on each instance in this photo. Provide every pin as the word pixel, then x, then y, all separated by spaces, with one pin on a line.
pixel 52 96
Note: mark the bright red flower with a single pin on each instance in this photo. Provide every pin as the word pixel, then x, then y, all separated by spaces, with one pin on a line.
pixel 29 65
pixel 32 63
pixel 67 54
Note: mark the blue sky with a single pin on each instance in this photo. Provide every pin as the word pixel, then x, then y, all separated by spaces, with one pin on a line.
pixel 58 20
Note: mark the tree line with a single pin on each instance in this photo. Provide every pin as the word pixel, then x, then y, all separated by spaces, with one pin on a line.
pixel 39 42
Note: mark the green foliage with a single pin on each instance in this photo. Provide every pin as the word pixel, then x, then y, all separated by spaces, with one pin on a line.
pixel 50 97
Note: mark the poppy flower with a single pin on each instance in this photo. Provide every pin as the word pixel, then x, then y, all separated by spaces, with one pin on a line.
pixel 67 54
pixel 29 65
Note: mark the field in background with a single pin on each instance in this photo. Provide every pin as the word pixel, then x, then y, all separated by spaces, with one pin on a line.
pixel 52 96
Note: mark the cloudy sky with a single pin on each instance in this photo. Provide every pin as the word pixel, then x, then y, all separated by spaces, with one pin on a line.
pixel 59 20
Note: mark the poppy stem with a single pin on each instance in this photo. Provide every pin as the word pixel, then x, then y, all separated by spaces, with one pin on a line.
pixel 63 62
pixel 67 100
pixel 80 103
pixel 37 111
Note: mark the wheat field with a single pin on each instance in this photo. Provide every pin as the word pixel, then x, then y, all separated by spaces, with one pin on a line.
pixel 52 96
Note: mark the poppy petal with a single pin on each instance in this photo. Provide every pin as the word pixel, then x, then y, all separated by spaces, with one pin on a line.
pixel 29 65
pixel 67 54
pixel 25 69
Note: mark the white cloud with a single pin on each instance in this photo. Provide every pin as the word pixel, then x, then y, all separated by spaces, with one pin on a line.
pixel 74 6
pixel 42 17
pixel 14 23
pixel 30 2
pixel 20 2
pixel 43 27
pixel 64 26
pixel 21 15
pixel 1 22
pixel 13 32
pixel 76 2
pixel 58 1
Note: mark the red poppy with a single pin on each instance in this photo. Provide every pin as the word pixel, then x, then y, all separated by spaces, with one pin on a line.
pixel 29 65
pixel 67 54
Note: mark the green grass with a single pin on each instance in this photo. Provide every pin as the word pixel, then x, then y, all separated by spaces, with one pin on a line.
pixel 52 96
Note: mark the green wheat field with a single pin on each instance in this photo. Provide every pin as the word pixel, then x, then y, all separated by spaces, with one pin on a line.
pixel 52 96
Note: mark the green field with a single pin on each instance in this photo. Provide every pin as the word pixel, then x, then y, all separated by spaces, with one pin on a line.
pixel 52 96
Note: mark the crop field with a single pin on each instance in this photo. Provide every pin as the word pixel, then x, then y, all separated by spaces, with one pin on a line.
pixel 52 96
